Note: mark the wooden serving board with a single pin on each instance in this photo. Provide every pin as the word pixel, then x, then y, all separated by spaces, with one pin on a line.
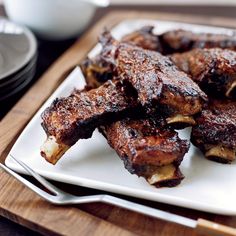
pixel 21 205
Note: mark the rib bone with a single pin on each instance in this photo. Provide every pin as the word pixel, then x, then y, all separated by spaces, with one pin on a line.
pixel 221 153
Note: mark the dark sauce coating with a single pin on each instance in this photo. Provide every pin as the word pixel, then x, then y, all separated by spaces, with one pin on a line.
pixel 144 145
pixel 75 117
pixel 216 125
pixel 179 40
pixel 155 77
pixel 167 43
pixel 214 70
pixel 144 38
pixel 97 71
pixel 183 40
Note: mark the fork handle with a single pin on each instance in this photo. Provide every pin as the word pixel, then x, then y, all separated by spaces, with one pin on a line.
pixel 210 228
pixel 201 226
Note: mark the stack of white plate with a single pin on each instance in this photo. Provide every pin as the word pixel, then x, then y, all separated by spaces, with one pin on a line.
pixel 18 55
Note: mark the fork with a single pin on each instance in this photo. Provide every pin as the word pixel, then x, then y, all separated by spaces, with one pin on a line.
pixel 59 197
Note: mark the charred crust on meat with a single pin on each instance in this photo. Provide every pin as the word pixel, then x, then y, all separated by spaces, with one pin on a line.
pixel 214 70
pixel 145 147
pixel 154 76
pixel 144 38
pixel 215 132
pixel 75 117
pixel 178 41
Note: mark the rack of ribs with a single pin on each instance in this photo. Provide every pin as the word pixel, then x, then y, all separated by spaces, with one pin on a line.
pixel 214 70
pixel 98 71
pixel 146 146
pixel 183 40
pixel 75 117
pixel 156 79
pixel 148 149
pixel 174 41
pixel 140 76
pixel 215 132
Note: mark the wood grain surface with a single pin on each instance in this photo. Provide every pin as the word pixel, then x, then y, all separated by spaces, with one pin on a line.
pixel 24 207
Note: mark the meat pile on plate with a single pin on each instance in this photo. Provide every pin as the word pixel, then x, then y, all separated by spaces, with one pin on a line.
pixel 143 87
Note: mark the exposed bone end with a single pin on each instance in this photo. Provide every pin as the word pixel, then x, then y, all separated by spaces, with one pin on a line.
pixel 52 151
pixel 231 92
pixel 180 121
pixel 166 176
pixel 221 154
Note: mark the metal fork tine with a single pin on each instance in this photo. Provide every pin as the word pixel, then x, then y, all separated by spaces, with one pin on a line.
pixel 34 188
pixel 38 177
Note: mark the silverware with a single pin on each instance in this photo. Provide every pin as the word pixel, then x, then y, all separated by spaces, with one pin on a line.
pixel 60 197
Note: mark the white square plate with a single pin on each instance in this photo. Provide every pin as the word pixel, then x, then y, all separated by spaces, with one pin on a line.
pixel 208 186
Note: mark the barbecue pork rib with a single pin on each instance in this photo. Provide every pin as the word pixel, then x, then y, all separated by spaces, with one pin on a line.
pixel 147 150
pixel 75 117
pixel 183 40
pixel 155 77
pixel 144 38
pixel 214 70
pixel 97 71
pixel 178 41
pixel 215 132
pixel 159 170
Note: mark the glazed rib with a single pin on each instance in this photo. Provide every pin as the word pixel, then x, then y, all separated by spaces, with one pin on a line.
pixel 178 41
pixel 147 150
pixel 144 38
pixel 215 132
pixel 97 71
pixel 157 83
pixel 75 117
pixel 155 77
pixel 183 40
pixel 213 69
pixel 163 83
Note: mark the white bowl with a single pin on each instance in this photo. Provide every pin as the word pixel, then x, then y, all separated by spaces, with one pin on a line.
pixel 53 19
